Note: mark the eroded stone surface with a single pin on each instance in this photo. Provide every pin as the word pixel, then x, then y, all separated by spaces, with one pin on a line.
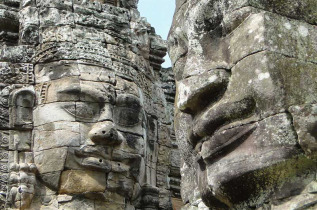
pixel 304 118
pixel 245 102
pixel 77 181
pixel 82 105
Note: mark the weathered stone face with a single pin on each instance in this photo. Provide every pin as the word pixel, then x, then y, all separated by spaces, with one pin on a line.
pixel 246 77
pixel 84 122
pixel 99 127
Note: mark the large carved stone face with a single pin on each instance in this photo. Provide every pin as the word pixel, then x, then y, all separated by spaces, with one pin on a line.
pixel 94 125
pixel 240 102
pixel 82 106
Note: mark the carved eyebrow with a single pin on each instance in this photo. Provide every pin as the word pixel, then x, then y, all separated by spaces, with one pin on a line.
pixel 85 90
pixel 100 95
pixel 128 100
pixel 73 88
pixel 208 88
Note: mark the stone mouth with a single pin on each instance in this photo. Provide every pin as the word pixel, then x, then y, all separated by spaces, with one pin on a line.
pixel 96 163
pixel 221 143
pixel 245 171
pixel 93 151
pixel 95 157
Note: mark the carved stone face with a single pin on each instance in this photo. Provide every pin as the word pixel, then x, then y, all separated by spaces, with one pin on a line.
pixel 82 106
pixel 93 124
pixel 240 103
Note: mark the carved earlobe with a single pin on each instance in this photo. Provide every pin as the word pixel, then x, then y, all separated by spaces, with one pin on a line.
pixel 21 105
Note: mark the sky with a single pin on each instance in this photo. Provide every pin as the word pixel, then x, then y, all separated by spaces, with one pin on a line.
pixel 159 13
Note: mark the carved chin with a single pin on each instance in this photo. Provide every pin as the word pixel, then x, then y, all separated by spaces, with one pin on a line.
pixel 249 163
pixel 251 179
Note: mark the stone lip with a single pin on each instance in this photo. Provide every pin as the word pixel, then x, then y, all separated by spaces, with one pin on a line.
pixel 227 178
pixel 97 163
pixel 240 156
pixel 219 143
pixel 95 157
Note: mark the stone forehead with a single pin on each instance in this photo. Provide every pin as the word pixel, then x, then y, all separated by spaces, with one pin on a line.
pixel 304 10
pixel 96 33
pixel 124 78
pixel 75 84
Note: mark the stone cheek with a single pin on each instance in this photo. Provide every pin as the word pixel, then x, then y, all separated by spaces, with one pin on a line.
pixel 77 182
pixel 50 160
pixel 69 135
pixel 245 97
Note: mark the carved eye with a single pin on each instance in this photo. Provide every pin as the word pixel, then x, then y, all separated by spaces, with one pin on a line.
pixel 87 110
pixel 127 112
pixel 127 117
pixel 70 108
pixel 83 110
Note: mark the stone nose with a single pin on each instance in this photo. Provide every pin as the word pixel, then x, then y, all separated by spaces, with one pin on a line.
pixel 105 133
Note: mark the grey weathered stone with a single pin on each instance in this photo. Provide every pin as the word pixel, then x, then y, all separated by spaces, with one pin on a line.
pixel 20 140
pixel 81 102
pixel 67 134
pixel 50 160
pixel 245 102
pixel 262 31
pixel 77 204
pixel 20 73
pixel 52 179
pixel 78 181
pixel 304 119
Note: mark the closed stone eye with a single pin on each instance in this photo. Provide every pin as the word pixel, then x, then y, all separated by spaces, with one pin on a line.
pixel 127 117
pixel 70 109
pixel 87 110
pixel 83 110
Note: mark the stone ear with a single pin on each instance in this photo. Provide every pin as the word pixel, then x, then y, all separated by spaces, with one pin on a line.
pixel 21 104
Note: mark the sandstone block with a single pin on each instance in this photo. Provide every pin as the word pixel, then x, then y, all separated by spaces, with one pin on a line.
pixel 50 160
pixel 57 91
pixel 55 70
pixel 17 54
pixel 259 31
pixel 305 123
pixel 66 134
pixel 51 179
pixel 4 139
pixel 109 206
pixel 303 10
pixel 20 73
pixel 119 183
pixel 79 181
pixel 20 140
pixel 81 204
pixel 59 4
pixel 53 17
pixel 276 77
pixel 53 112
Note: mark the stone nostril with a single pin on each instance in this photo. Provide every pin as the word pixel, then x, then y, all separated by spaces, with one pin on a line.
pixel 105 133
